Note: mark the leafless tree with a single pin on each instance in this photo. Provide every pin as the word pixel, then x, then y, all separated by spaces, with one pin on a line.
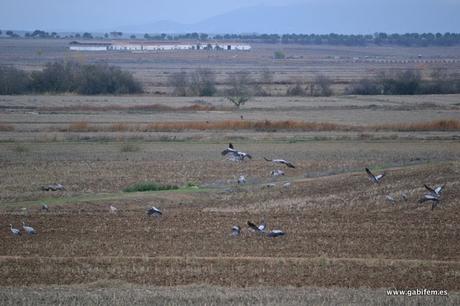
pixel 240 88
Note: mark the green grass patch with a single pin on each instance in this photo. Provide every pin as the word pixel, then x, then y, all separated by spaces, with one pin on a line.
pixel 149 186
pixel 129 147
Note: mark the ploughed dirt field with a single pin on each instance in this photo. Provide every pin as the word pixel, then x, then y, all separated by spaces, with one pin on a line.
pixel 341 231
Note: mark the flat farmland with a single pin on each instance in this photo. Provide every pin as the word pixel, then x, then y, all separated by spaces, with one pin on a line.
pixel 345 242
pixel 339 63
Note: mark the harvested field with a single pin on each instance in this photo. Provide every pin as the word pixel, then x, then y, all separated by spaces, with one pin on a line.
pixel 345 242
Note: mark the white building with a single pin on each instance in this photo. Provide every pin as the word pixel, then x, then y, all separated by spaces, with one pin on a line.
pixel 155 46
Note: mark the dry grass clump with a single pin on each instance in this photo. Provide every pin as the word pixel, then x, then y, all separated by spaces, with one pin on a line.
pixel 80 126
pixel 264 125
pixel 4 127
pixel 258 125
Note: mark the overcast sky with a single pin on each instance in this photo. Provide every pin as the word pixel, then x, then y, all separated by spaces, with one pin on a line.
pixel 104 15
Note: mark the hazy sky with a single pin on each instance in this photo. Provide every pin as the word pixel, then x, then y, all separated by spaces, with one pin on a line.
pixel 92 14
pixel 106 15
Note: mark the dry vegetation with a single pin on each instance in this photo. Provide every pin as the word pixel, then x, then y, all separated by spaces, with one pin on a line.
pixel 265 125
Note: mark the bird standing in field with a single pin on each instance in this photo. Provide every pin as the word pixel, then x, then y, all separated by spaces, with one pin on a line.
pixel 390 199
pixel 236 230
pixel 234 154
pixel 242 179
pixel 277 173
pixel 45 207
pixel 153 211
pixel 15 231
pixel 280 161
pixel 275 233
pixel 375 178
pixel 29 229
pixel 113 209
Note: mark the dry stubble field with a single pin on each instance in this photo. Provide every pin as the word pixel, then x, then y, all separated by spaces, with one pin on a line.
pixel 345 242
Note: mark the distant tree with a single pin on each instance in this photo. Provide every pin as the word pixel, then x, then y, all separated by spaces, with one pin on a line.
pixel 203 82
pixel 13 81
pixel 1 32
pixel 279 55
pixel 106 35
pixel 116 34
pixel 321 86
pixel 133 36
pixel 87 35
pixel 12 34
pixel 266 78
pixel 364 87
pixel 240 90
pixel 400 83
pixel 296 90
pixel 77 35
pixel 180 83
pixel 203 36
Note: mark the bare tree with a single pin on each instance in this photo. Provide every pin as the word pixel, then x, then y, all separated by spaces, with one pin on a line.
pixel 266 79
pixel 179 81
pixel 203 82
pixel 240 90
pixel 321 86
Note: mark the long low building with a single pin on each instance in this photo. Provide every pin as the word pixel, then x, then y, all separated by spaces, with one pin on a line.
pixel 156 46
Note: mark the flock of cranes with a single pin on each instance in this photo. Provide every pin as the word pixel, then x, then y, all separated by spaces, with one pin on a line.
pixel 433 195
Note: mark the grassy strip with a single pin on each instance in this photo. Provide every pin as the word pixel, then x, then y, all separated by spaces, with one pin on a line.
pixel 149 186
pixel 99 197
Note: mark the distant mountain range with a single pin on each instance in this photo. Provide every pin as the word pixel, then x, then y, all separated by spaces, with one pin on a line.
pixel 345 17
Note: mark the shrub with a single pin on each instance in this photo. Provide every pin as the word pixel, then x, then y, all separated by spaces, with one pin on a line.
pixel 203 83
pixel 321 86
pixel 279 55
pixel 180 83
pixel 13 81
pixel 296 90
pixel 400 83
pixel 69 77
pixel 364 87
pixel 129 147
pixel 149 186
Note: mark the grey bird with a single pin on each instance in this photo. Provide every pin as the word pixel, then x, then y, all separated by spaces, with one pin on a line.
pixel 257 228
pixel 435 191
pixel 234 154
pixel 277 173
pixel 153 211
pixel 29 229
pixel 45 207
pixel 53 187
pixel 242 179
pixel 275 233
pixel 236 230
pixel 430 197
pixel 15 231
pixel 281 161
pixel 390 199
pixel 374 178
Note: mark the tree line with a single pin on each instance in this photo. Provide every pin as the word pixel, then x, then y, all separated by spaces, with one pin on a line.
pixel 406 39
pixel 69 77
